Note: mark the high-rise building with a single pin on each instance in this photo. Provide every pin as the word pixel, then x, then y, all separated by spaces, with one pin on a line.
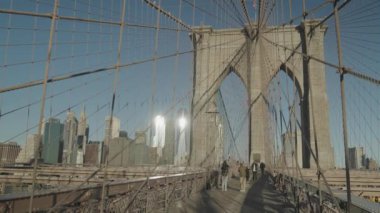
pixel 292 145
pixel 82 140
pixel 70 134
pixel 151 155
pixel 52 141
pixel 82 124
pixel 139 147
pixel 158 133
pixel 168 150
pixel 92 156
pixel 26 155
pixel 182 145
pixel 9 152
pixel 123 134
pixel 372 164
pixel 139 154
pixel 355 157
pixel 111 132
pixel 120 152
pixel 140 137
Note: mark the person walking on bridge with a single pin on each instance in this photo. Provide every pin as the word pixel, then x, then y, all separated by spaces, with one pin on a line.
pixel 242 174
pixel 262 167
pixel 254 171
pixel 225 168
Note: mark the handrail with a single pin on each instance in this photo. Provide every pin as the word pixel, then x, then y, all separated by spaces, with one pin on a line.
pixel 87 196
pixel 358 204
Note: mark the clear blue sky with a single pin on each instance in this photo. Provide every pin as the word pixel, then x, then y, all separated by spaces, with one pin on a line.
pixel 80 46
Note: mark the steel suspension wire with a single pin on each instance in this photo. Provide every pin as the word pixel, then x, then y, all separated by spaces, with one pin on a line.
pixel 59 113
pixel 307 143
pixel 293 113
pixel 229 124
pixel 245 11
pixel 116 68
pixel 237 12
pixel 111 158
pixel 297 164
pixel 67 196
pixel 359 112
pixel 65 110
pixel 115 87
pixel 308 13
pixel 308 146
pixel 213 84
pixel 176 63
pixel 226 10
pixel 104 69
pixel 42 111
pixel 346 70
pixel 312 109
pixel 314 157
pixel 343 102
pixel 167 14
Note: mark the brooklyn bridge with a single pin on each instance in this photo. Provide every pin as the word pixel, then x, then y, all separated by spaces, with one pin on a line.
pixel 153 106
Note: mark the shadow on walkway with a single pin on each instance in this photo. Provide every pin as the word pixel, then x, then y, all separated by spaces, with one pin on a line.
pixel 261 197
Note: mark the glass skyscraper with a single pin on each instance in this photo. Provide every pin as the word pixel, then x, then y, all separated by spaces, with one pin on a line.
pixel 52 141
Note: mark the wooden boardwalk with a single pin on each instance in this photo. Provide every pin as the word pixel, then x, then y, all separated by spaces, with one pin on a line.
pixel 259 197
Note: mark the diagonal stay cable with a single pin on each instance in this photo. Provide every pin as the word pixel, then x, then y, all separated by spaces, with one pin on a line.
pixel 313 155
pixel 237 12
pixel 65 198
pixel 346 70
pixel 103 69
pixel 228 122
pixel 311 151
pixel 110 159
pixel 168 14
pixel 236 58
pixel 82 84
pixel 207 12
pixel 231 15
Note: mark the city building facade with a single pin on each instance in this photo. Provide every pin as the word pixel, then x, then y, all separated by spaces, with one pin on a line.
pixel 52 141
pixel 70 135
pixel 356 157
pixel 9 152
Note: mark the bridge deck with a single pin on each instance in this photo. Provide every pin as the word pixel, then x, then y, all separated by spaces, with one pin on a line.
pixel 259 197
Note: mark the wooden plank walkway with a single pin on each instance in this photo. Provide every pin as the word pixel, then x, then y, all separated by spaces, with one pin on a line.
pixel 260 197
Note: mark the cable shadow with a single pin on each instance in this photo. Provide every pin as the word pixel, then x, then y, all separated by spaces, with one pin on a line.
pixel 262 197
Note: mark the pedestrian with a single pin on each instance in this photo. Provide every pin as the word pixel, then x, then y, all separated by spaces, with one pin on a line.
pixel 225 168
pixel 262 167
pixel 254 171
pixel 247 173
pixel 242 174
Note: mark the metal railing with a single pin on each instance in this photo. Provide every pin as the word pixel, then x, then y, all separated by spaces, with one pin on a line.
pixel 138 195
pixel 305 196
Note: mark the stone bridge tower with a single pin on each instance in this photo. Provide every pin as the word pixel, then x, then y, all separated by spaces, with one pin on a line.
pixel 257 61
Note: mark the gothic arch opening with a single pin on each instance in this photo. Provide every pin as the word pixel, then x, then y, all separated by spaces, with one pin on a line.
pixel 287 115
pixel 232 103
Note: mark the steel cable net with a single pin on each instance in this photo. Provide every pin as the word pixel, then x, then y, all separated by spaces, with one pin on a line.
pixel 67 66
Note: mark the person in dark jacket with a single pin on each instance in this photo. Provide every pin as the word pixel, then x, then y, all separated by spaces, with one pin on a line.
pixel 225 168
pixel 262 168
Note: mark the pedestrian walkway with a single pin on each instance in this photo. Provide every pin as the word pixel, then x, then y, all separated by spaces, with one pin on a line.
pixel 259 197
